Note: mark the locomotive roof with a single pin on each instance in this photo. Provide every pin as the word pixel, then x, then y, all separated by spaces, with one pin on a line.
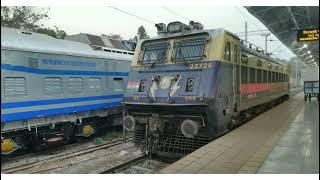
pixel 16 39
pixel 215 32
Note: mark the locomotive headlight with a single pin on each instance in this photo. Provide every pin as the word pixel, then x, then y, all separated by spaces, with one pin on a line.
pixel 190 85
pixel 129 123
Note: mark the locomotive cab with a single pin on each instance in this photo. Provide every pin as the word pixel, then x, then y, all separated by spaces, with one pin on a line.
pixel 172 83
pixel 188 86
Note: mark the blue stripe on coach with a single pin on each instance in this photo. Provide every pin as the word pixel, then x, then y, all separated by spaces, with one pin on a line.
pixel 56 101
pixel 56 111
pixel 60 72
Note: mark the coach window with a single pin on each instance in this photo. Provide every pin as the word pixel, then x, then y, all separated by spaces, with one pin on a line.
pixel 252 75
pixel 281 77
pixel 259 76
pixel 244 75
pixel 265 77
pixel 227 53
pixel 118 84
pixel 269 77
pixel 273 77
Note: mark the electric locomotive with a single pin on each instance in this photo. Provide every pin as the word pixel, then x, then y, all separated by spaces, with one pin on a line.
pixel 189 86
pixel 55 91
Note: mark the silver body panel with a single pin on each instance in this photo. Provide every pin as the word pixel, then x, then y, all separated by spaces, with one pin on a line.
pixel 29 95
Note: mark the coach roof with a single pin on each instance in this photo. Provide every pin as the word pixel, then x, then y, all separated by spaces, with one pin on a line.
pixel 29 41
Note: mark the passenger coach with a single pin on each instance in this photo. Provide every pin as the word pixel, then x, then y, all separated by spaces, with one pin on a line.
pixel 55 90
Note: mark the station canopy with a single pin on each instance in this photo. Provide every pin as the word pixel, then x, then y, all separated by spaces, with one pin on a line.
pixel 286 22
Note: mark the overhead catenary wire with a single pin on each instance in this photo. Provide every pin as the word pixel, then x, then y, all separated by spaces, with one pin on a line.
pixel 246 17
pixel 262 30
pixel 176 13
pixel 131 14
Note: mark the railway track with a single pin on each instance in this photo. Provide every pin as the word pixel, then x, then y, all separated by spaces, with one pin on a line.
pixel 32 164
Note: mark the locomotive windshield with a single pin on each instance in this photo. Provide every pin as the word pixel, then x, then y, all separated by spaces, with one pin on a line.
pixel 190 50
pixel 154 53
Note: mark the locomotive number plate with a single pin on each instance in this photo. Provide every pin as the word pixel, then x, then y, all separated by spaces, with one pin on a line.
pixel 200 66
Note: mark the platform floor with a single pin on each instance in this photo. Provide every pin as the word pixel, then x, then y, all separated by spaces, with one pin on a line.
pixel 262 144
pixel 298 149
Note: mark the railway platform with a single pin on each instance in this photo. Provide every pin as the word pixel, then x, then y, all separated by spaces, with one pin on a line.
pixel 285 139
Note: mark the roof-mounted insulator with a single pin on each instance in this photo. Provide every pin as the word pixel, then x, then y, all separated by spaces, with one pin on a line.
pixel 161 29
pixel 195 25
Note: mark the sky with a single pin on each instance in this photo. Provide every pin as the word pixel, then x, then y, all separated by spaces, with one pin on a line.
pixel 105 20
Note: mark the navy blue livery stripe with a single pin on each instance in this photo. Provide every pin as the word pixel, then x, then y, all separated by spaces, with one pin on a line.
pixel 56 101
pixel 61 72
pixel 56 111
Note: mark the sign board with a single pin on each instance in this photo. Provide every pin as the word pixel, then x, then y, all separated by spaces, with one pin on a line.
pixel 308 35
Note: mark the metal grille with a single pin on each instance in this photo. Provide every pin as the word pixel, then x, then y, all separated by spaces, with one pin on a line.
pixel 15 86
pixel 190 50
pixel 171 143
pixel 153 53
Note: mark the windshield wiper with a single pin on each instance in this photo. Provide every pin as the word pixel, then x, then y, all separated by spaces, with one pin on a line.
pixel 153 63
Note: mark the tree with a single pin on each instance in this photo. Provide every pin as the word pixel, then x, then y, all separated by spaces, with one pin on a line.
pixel 114 36
pixel 29 18
pixel 142 34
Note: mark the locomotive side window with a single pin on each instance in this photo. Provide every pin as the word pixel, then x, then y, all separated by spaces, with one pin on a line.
pixel 252 75
pixel 259 76
pixel 15 86
pixel 154 53
pixel 227 53
pixel 189 50
pixel 265 76
pixel 244 74
pixel 52 85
